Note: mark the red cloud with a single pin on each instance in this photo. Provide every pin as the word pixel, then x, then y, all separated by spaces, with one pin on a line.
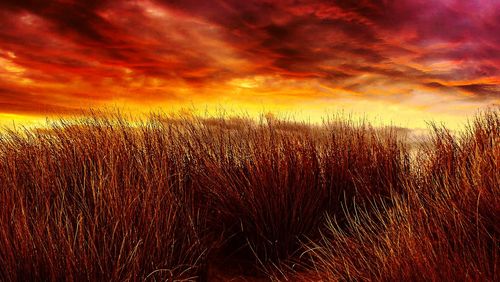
pixel 70 52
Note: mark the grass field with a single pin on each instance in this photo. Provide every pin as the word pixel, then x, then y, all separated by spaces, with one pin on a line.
pixel 213 199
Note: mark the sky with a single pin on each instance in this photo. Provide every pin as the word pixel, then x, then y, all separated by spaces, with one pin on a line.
pixel 401 61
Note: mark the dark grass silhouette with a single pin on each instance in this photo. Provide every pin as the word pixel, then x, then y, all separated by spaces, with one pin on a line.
pixel 185 198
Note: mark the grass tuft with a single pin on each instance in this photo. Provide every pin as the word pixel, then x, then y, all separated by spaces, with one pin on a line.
pixel 104 197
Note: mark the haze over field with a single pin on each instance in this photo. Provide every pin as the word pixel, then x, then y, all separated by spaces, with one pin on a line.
pixel 402 61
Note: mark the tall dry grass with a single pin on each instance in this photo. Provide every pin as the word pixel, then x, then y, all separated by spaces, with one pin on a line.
pixel 185 198
pixel 445 227
pixel 98 200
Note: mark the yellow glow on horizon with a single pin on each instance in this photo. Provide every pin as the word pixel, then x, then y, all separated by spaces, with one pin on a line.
pixel 293 98
pixel 300 100
pixel 11 121
pixel 378 112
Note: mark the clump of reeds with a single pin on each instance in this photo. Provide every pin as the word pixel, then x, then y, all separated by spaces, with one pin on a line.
pixel 104 197
pixel 443 228
pixel 97 199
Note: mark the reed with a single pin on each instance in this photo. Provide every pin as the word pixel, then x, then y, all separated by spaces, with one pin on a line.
pixel 104 197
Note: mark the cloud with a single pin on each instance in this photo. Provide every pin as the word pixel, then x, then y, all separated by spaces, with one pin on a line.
pixel 22 101
pixel 480 90
pixel 77 52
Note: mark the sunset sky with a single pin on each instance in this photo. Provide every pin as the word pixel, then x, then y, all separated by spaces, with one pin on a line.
pixel 404 60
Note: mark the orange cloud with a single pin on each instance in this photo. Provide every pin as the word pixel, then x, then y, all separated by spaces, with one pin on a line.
pixel 60 56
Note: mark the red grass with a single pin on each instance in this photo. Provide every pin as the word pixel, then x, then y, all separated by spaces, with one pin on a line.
pixel 101 198
pixel 443 228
